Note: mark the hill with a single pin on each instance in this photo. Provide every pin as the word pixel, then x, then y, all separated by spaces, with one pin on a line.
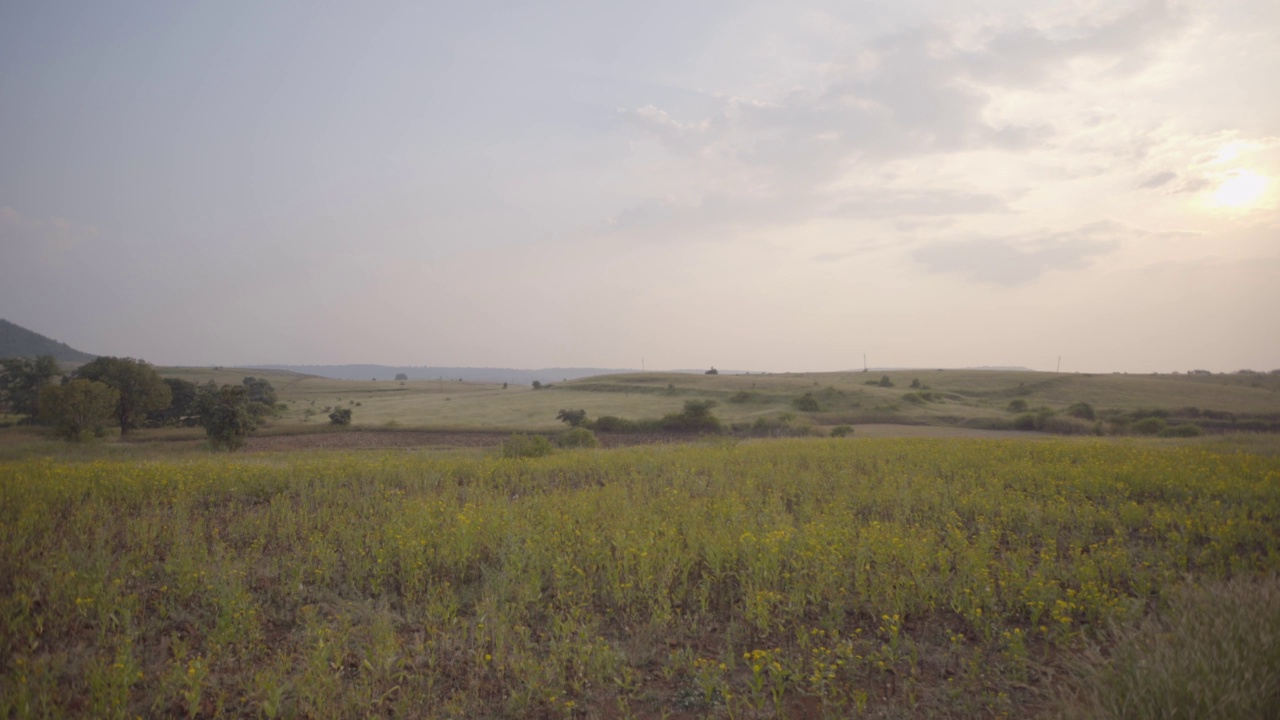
pixel 17 341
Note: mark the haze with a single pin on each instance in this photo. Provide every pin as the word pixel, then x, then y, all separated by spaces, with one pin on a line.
pixel 744 185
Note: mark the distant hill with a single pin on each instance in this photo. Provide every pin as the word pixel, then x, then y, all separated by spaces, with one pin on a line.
pixel 17 341
pixel 494 375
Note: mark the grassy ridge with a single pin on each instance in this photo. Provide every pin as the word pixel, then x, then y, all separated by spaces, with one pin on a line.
pixel 889 577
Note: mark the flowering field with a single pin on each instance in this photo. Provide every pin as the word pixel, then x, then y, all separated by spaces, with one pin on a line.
pixel 803 578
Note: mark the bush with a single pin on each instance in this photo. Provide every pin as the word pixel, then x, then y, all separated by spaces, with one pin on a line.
pixel 842 431
pixel 525 446
pixel 614 424
pixel 744 396
pixel 573 418
pixel 712 371
pixel 696 417
pixel 1183 430
pixel 1017 405
pixel 913 397
pixel 1149 426
pixel 806 403
pixel 885 381
pixel 1082 410
pixel 1026 421
pixel 578 437
pixel 340 416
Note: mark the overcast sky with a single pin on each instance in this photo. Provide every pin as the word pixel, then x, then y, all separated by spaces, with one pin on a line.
pixel 758 186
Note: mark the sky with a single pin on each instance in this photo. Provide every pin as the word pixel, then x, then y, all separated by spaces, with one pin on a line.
pixel 748 185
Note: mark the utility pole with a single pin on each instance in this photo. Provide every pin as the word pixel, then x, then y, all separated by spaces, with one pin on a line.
pixel 1059 364
pixel 864 362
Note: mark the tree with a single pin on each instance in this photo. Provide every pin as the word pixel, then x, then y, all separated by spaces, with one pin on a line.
pixel 21 380
pixel 182 405
pixel 224 414
pixel 79 407
pixel 401 376
pixel 712 371
pixel 141 388
pixel 261 396
pixel 885 381
pixel 574 418
pixel 340 416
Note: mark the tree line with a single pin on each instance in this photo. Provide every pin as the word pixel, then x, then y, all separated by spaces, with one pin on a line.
pixel 131 394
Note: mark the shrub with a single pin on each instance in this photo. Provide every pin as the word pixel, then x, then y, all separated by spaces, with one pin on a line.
pixel 573 418
pixel 1183 430
pixel 744 396
pixel 340 416
pixel 1018 405
pixel 912 397
pixel 1149 426
pixel 1082 410
pixel 1026 421
pixel 915 383
pixel 578 437
pixel 525 446
pixel 712 371
pixel 885 381
pixel 696 417
pixel 842 431
pixel 806 403
pixel 614 424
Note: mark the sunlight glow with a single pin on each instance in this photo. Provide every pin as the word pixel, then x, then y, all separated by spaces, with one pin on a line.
pixel 1240 189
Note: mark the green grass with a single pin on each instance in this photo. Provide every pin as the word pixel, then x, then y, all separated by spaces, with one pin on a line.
pixel 821 578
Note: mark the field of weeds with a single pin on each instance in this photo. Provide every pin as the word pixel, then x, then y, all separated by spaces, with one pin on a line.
pixel 801 578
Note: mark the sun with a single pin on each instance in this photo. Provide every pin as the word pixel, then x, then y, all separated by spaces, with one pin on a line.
pixel 1240 188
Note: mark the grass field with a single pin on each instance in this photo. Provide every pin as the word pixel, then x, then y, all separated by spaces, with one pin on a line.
pixel 954 397
pixel 781 578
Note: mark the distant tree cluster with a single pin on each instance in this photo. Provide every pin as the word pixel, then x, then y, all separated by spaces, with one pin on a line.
pixel 130 393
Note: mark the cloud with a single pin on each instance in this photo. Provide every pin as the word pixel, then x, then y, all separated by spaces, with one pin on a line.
pixel 933 202
pixel 1158 180
pixel 1018 261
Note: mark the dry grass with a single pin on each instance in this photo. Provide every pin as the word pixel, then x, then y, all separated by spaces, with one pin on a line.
pixel 1213 653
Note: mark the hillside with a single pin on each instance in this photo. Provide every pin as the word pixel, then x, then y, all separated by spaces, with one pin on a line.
pixel 17 341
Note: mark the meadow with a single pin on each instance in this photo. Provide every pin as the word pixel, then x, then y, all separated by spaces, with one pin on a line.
pixel 853 577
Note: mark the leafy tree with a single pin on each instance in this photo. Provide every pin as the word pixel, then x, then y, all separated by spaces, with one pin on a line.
pixel 79 407
pixel 537 384
pixel 182 405
pixel 712 371
pixel 401 376
pixel 574 418
pixel 260 391
pixel 224 414
pixel 340 416
pixel 21 380
pixel 885 381
pixel 141 388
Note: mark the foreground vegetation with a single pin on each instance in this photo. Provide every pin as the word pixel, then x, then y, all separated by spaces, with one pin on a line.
pixel 806 578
